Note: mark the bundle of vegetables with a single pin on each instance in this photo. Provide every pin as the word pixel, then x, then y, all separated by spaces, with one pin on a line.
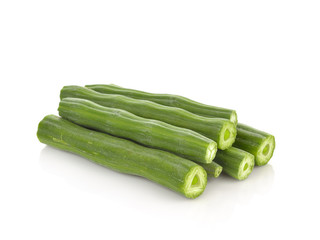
pixel 168 139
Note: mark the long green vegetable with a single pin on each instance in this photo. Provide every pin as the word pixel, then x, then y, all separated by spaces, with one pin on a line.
pixel 169 100
pixel 213 169
pixel 256 142
pixel 149 132
pixel 222 131
pixel 235 162
pixel 169 170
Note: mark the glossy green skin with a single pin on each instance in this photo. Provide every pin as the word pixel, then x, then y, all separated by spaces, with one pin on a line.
pixel 231 160
pixel 213 169
pixel 149 132
pixel 119 154
pixel 251 140
pixel 209 127
pixel 169 100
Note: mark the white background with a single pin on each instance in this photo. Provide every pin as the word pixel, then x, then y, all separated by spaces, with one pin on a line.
pixel 261 58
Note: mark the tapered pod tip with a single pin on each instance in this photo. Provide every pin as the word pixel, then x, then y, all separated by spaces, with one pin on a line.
pixel 195 182
pixel 265 151
pixel 227 135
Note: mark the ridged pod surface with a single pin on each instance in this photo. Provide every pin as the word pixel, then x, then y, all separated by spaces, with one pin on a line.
pixel 235 162
pixel 167 169
pixel 256 142
pixel 169 100
pixel 149 132
pixel 222 131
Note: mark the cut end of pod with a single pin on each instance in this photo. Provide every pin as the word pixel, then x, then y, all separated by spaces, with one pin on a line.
pixel 234 117
pixel 195 182
pixel 217 171
pixel 211 152
pixel 213 169
pixel 265 151
pixel 235 162
pixel 227 135
pixel 246 167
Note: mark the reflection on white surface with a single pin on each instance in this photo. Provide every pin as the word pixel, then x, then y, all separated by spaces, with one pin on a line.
pixel 217 203
pixel 226 193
